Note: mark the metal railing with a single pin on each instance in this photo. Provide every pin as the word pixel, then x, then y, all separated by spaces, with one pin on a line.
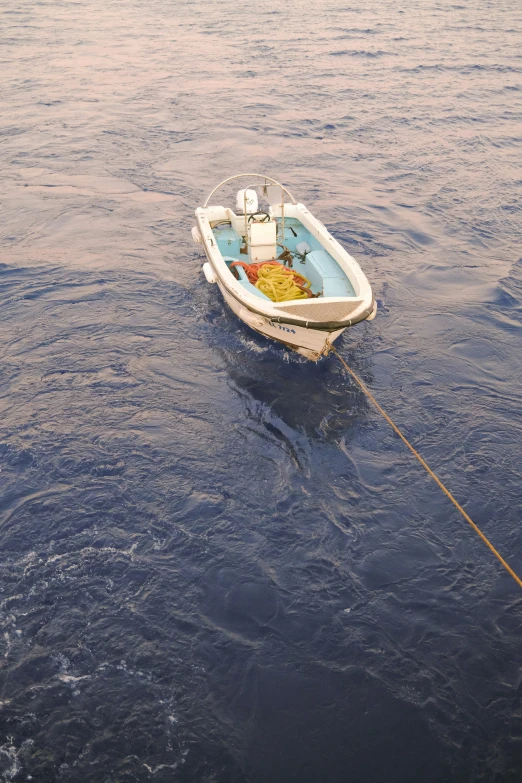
pixel 267 180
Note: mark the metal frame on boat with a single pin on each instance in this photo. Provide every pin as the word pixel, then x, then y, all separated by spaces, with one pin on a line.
pixel 308 326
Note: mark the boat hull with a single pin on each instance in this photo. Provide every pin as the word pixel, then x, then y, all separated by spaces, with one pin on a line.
pixel 309 342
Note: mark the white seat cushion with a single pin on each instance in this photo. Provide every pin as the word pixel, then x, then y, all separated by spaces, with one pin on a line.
pixel 263 238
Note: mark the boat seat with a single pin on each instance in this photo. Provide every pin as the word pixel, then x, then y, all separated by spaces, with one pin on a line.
pixel 326 276
pixel 228 241
pixel 263 241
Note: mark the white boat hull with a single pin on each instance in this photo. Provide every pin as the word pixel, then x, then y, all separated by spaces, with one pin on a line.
pixel 312 343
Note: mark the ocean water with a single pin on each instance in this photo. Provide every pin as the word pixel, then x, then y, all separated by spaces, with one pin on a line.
pixel 218 563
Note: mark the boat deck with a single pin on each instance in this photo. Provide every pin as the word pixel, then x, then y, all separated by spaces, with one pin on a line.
pixel 325 274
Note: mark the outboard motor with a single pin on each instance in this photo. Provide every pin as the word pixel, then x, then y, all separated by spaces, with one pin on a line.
pixel 251 205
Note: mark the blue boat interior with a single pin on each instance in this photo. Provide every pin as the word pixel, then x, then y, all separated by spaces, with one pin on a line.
pixel 325 274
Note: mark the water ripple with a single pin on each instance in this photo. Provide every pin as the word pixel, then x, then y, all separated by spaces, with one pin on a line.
pixel 218 563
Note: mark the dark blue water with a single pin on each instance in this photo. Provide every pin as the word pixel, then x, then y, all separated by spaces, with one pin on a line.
pixel 218 563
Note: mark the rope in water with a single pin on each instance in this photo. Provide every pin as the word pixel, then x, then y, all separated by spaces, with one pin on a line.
pixel 427 468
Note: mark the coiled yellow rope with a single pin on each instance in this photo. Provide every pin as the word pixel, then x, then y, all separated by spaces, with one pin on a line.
pixel 428 469
pixel 279 283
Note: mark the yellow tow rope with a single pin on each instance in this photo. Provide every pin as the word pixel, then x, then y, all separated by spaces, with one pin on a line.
pixel 279 283
pixel 428 469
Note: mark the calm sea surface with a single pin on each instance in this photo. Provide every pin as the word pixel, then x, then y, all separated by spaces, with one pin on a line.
pixel 218 564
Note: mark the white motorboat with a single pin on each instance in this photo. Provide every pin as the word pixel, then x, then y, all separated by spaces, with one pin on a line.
pixel 279 269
